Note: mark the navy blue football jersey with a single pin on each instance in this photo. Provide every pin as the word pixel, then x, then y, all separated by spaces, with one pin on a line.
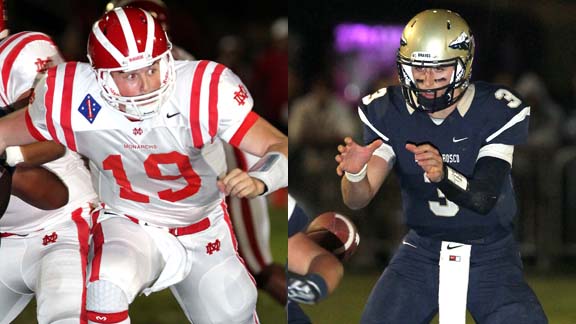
pixel 297 218
pixel 488 120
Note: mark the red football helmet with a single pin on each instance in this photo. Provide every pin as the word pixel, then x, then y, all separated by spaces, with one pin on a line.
pixel 127 39
pixel 157 8
pixel 3 23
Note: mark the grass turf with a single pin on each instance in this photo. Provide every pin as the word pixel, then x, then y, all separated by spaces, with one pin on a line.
pixel 556 293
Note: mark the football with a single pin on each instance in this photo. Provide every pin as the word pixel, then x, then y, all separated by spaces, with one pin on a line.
pixel 336 233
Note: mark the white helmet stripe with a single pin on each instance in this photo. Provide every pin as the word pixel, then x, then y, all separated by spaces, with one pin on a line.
pixel 128 33
pixel 150 34
pixel 103 40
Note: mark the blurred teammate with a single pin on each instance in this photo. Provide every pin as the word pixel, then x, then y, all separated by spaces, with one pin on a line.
pixel 250 218
pixel 452 143
pixel 44 253
pixel 146 123
pixel 314 272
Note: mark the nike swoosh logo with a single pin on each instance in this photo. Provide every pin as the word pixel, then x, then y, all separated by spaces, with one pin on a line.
pixel 454 246
pixel 168 115
pixel 409 244
pixel 455 140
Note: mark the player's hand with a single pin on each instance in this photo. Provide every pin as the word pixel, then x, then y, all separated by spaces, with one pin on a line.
pixel 303 290
pixel 239 184
pixel 429 159
pixel 353 157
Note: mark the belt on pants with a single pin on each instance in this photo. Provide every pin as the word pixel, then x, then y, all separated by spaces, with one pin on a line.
pixel 179 231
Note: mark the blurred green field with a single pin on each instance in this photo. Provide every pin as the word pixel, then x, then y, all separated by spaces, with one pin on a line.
pixel 162 308
pixel 556 293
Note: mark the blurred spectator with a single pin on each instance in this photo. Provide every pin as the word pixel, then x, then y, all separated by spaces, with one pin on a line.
pixel 320 117
pixel 231 53
pixel 270 87
pixel 532 165
pixel 546 115
pixel 318 121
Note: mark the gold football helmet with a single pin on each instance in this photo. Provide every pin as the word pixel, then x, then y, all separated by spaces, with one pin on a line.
pixel 435 38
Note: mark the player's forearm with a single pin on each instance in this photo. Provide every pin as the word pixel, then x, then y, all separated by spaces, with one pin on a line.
pixel 480 192
pixel 13 130
pixel 52 194
pixel 356 195
pixel 36 154
pixel 329 268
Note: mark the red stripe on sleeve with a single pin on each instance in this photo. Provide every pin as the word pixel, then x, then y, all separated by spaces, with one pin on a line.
pixel 49 102
pixel 66 106
pixel 213 101
pixel 32 129
pixel 250 119
pixel 195 104
pixel 11 57
pixel 9 40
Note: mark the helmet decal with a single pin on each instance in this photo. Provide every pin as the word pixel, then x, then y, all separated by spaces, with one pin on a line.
pixel 461 43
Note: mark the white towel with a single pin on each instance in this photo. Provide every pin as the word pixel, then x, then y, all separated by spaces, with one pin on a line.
pixel 177 259
pixel 454 271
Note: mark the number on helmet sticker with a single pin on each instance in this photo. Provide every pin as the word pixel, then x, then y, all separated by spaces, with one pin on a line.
pixel 513 101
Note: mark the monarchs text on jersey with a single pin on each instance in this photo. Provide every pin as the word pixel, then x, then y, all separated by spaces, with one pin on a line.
pixel 489 121
pixel 162 170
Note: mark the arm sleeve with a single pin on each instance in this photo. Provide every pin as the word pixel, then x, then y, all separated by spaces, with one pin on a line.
pixel 234 105
pixel 482 190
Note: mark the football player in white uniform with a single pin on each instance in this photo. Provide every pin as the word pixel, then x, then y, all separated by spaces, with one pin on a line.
pixel 250 217
pixel 44 253
pixel 146 123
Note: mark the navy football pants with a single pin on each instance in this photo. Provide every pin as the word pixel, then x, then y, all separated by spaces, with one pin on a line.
pixel 295 314
pixel 407 291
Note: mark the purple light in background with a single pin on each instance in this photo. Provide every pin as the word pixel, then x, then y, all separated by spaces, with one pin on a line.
pixel 350 37
pixel 367 56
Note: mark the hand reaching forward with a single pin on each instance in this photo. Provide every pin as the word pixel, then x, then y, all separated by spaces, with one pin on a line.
pixel 239 184
pixel 429 159
pixel 353 157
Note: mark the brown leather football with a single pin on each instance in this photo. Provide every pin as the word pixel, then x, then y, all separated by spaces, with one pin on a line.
pixel 336 233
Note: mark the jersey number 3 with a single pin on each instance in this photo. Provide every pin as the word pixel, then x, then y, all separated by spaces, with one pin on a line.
pixel 114 164
pixel 443 207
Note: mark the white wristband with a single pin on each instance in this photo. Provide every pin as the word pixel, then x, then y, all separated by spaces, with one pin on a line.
pixel 272 169
pixel 357 177
pixel 14 155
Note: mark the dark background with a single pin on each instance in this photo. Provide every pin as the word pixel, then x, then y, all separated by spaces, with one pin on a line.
pixel 513 38
pixel 195 25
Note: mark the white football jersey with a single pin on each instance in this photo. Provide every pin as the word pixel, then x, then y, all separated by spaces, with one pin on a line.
pixel 162 170
pixel 23 57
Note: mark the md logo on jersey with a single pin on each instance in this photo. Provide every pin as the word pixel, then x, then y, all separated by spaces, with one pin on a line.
pixel 241 95
pixel 89 108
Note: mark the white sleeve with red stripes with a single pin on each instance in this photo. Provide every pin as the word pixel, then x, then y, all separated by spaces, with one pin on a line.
pixel 22 57
pixel 37 112
pixel 234 105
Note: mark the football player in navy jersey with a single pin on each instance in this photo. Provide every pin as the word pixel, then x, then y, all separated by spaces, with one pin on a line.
pixel 313 272
pixel 451 142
